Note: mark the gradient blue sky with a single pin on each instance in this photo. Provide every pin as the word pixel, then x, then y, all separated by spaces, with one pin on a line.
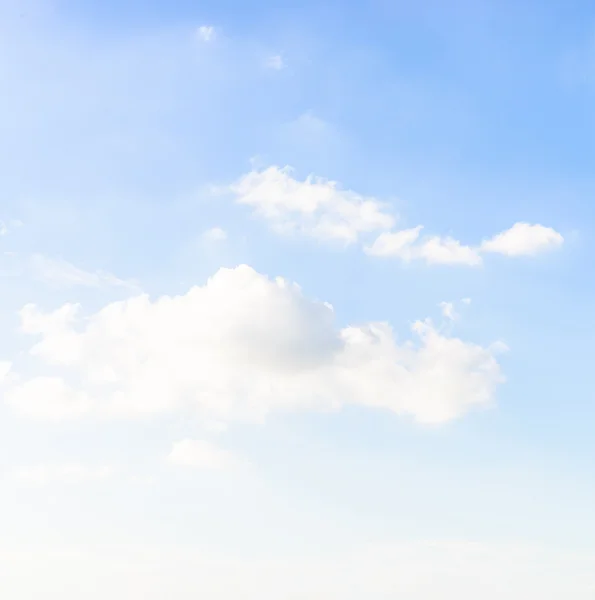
pixel 123 132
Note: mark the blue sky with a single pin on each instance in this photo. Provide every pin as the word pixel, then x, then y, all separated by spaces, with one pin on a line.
pixel 242 428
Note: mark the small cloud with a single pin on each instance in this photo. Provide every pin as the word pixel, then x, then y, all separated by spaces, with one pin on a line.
pixel 448 311
pixel 200 454
pixel 466 301
pixel 216 234
pixel 275 62
pixel 523 239
pixel 206 33
pixel 435 250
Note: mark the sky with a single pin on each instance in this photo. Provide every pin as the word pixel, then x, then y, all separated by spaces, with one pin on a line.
pixel 294 300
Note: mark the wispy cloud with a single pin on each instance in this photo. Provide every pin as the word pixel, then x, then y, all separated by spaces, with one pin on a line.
pixel 64 274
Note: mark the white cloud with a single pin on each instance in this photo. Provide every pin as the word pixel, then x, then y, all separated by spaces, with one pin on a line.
pixel 63 473
pixel 395 244
pixel 315 207
pixel 448 251
pixel 523 239
pixel 200 454
pixel 238 348
pixel 216 234
pixel 62 273
pixel 448 311
pixel 206 33
pixel 319 208
pixel 275 62
pixel 405 245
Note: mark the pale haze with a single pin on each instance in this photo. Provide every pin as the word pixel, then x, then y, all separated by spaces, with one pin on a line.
pixel 295 300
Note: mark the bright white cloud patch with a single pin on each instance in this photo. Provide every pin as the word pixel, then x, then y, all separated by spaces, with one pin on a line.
pixel 200 454
pixel 315 207
pixel 395 244
pixel 64 274
pixel 238 348
pixel 448 251
pixel 319 208
pixel 523 239
pixel 407 246
pixel 64 473
pixel 206 33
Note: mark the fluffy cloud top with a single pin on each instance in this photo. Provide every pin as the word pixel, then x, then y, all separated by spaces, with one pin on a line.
pixel 238 348
pixel 315 207
pixel 523 239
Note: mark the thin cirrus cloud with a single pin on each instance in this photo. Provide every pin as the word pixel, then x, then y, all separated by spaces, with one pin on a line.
pixel 319 208
pixel 64 274
pixel 237 349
